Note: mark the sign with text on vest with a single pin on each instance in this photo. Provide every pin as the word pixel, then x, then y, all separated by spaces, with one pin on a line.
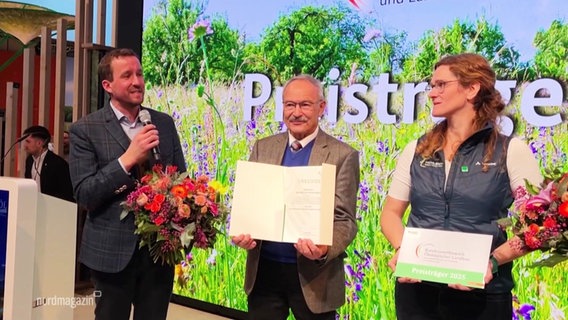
pixel 283 204
pixel 444 256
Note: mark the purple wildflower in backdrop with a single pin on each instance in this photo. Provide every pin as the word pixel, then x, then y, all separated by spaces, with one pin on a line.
pixel 199 29
pixel 382 146
pixel 356 274
pixel 371 34
pixel 251 127
pixel 212 259
pixel 521 311
pixel 364 195
pixel 187 260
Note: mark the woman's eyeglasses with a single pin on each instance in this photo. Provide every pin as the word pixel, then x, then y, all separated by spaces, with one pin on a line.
pixel 438 85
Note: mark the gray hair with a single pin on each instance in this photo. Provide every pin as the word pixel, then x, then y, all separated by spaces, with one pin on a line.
pixel 315 82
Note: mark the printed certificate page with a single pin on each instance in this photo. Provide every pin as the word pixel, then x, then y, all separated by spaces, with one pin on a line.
pixel 283 204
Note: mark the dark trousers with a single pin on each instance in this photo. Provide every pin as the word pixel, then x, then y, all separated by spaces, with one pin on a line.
pixel 143 284
pixel 429 301
pixel 277 290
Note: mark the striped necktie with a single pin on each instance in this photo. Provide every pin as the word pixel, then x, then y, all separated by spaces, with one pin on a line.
pixel 296 146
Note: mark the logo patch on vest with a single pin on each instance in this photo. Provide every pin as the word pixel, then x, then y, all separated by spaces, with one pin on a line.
pixel 424 163
pixel 491 164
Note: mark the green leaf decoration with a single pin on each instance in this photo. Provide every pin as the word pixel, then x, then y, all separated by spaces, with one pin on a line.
pixel 549 261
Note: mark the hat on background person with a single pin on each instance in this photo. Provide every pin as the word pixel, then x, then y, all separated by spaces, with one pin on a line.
pixel 39 132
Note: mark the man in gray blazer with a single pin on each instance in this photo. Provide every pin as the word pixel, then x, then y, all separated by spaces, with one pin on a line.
pixel 305 277
pixel 108 149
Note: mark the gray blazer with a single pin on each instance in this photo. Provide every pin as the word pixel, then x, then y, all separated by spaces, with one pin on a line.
pixel 100 184
pixel 323 284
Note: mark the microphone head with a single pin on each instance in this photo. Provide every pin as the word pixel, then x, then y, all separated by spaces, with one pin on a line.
pixel 144 116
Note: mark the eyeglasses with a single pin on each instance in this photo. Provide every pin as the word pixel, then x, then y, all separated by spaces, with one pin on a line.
pixel 439 85
pixel 304 105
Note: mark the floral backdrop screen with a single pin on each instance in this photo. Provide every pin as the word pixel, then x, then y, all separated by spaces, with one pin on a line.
pixel 218 67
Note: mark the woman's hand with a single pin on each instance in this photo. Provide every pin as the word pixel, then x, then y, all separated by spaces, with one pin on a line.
pixel 392 265
pixel 488 277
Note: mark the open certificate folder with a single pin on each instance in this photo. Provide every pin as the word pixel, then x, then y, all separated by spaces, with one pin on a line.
pixel 283 204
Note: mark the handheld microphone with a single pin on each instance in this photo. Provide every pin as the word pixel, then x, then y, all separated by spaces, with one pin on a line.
pixel 20 139
pixel 146 119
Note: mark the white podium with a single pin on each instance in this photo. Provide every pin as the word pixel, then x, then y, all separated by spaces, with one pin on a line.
pixel 40 253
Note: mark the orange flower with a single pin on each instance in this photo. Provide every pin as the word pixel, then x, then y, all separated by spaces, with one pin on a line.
pixel 563 209
pixel 179 191
pixel 178 270
pixel 200 200
pixel 534 228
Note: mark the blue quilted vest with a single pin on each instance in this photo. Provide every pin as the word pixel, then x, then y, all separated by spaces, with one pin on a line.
pixel 471 202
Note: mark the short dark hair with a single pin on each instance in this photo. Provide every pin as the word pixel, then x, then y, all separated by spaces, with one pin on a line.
pixel 39 132
pixel 105 71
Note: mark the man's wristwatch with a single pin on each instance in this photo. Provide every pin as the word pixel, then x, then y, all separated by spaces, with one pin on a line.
pixel 494 264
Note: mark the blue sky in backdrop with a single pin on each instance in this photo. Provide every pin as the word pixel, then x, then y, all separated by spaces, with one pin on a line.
pixel 518 19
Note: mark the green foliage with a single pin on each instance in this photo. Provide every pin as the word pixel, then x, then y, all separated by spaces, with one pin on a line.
pixel 482 37
pixel 170 58
pixel 551 58
pixel 388 54
pixel 312 40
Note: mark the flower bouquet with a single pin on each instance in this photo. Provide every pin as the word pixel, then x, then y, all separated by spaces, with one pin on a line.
pixel 173 213
pixel 540 218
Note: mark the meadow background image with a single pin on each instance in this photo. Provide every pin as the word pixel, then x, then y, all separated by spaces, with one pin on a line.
pixel 195 63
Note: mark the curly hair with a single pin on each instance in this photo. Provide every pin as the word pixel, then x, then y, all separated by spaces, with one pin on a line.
pixel 469 68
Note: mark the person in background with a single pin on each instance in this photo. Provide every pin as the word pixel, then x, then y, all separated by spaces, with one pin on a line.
pixel 305 277
pixel 108 150
pixel 50 171
pixel 460 176
pixel 66 145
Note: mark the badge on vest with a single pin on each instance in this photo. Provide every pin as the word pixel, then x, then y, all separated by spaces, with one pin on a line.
pixel 430 163
pixel 491 164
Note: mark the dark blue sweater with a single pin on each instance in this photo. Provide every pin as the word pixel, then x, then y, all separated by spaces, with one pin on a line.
pixel 279 251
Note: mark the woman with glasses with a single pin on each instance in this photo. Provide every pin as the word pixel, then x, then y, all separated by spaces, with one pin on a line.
pixel 459 176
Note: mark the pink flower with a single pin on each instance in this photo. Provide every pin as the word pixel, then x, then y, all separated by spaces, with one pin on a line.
pixel 371 34
pixel 542 200
pixel 167 202
pixel 200 29
pixel 200 200
pixel 184 210
pixel 162 184
pixel 142 199
pixel 214 209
